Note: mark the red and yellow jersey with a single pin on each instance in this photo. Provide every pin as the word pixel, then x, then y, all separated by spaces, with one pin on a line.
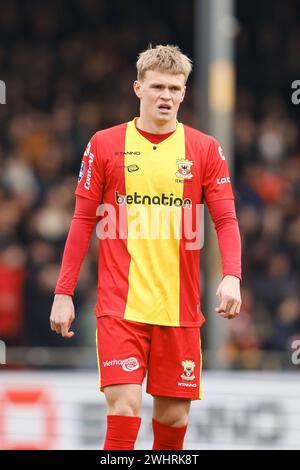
pixel 149 198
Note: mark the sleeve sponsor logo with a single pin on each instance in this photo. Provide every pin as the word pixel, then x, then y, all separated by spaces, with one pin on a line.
pixel 223 180
pixel 81 172
pixel 91 157
pixel 87 150
pixel 220 150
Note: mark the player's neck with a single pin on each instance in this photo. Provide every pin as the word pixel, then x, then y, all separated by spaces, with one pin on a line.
pixel 153 127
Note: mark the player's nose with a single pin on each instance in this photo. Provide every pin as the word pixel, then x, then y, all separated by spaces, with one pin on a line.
pixel 165 94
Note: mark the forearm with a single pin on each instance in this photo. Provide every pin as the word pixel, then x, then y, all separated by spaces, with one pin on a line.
pixel 224 217
pixel 77 245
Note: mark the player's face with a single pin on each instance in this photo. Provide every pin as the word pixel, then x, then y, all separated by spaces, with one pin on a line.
pixel 160 94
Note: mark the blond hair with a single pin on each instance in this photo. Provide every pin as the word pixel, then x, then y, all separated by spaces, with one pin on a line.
pixel 163 59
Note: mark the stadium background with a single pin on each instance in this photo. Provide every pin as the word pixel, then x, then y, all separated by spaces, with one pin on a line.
pixel 68 69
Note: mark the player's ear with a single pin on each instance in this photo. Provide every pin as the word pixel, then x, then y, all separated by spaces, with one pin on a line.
pixel 183 94
pixel 137 88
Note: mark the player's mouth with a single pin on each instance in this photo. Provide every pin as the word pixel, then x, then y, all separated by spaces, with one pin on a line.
pixel 164 108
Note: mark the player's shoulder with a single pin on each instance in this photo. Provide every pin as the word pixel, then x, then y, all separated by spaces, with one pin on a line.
pixel 110 132
pixel 198 137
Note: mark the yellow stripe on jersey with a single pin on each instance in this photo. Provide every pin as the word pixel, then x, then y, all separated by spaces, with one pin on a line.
pixel 154 272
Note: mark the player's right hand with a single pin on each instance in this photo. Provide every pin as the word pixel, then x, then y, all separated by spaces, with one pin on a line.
pixel 62 315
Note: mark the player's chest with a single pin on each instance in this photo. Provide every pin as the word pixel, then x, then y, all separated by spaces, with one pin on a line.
pixel 155 168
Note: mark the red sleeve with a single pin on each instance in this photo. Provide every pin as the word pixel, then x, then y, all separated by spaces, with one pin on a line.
pixel 91 174
pixel 77 244
pixel 224 217
pixel 216 179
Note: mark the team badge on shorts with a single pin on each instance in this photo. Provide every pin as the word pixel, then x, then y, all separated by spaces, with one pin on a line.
pixel 188 367
pixel 184 169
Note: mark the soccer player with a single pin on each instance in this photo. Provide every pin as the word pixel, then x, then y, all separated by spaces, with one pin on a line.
pixel 137 174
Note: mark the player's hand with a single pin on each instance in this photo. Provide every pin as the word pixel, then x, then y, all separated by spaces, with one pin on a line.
pixel 229 297
pixel 62 315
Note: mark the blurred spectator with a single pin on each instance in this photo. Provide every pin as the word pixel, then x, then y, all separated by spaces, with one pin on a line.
pixel 12 275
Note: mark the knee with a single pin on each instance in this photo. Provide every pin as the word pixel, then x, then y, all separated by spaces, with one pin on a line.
pixel 172 412
pixel 173 417
pixel 123 400
pixel 123 409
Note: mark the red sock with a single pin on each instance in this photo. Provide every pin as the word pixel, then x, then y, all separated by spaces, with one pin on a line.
pixel 121 432
pixel 167 437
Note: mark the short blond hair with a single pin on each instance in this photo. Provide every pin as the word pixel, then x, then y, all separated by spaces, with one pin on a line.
pixel 163 59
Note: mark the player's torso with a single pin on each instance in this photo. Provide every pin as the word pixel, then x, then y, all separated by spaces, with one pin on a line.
pixel 138 172
pixel 152 188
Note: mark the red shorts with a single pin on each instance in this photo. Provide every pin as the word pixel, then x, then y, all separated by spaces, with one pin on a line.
pixel 171 355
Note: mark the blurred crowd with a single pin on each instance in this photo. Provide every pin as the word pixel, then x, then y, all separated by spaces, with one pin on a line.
pixel 68 69
pixel 267 183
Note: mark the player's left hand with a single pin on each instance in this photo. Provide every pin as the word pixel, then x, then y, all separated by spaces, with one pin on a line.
pixel 229 297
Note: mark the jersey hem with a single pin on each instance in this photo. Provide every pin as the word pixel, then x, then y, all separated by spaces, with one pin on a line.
pixel 103 313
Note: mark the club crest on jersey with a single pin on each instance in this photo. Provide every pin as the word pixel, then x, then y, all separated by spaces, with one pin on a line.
pixel 184 169
pixel 188 367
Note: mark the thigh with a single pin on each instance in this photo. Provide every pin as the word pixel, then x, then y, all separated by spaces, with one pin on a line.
pixel 175 363
pixel 123 350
